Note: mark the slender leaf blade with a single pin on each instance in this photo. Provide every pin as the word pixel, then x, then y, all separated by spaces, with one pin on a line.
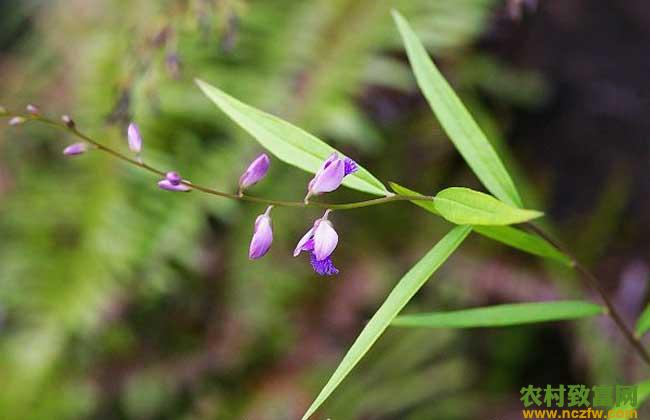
pixel 412 281
pixel 457 122
pixel 643 324
pixel 287 142
pixel 464 206
pixel 502 315
pixel 508 235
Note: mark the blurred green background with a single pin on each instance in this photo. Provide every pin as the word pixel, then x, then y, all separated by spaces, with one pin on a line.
pixel 121 301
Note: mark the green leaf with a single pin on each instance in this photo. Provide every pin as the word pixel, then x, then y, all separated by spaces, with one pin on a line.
pixel 502 315
pixel 456 120
pixel 643 324
pixel 464 206
pixel 508 235
pixel 286 141
pixel 396 300
pixel 643 392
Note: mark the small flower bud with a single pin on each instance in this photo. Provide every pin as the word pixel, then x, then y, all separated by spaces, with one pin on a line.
pixel 16 121
pixel 173 177
pixel 262 236
pixel 69 122
pixel 75 149
pixel 255 172
pixel 32 109
pixel 166 184
pixel 135 139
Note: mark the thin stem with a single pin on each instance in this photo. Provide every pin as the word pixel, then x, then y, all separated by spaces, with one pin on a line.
pixel 593 282
pixel 239 196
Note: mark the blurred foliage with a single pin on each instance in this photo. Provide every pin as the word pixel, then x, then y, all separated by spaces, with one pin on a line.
pixel 120 301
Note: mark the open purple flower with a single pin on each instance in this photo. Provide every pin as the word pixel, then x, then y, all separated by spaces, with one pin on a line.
pixel 134 137
pixel 330 175
pixel 172 182
pixel 75 149
pixel 320 241
pixel 262 236
pixel 255 172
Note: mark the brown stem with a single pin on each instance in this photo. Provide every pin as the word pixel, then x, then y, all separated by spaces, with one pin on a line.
pixel 593 282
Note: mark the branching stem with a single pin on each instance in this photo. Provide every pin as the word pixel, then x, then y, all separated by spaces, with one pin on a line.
pixel 589 277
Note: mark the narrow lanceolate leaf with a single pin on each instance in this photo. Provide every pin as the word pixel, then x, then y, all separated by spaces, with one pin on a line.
pixel 643 324
pixel 456 120
pixel 464 206
pixel 508 235
pixel 524 241
pixel 643 392
pixel 502 315
pixel 396 300
pixel 287 142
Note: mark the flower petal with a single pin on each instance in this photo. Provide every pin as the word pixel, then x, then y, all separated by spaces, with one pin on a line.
pixel 323 267
pixel 262 237
pixel 350 166
pixel 328 180
pixel 303 241
pixel 325 240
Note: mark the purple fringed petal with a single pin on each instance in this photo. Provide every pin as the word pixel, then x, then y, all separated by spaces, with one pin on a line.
pixel 323 267
pixel 166 184
pixel 255 172
pixel 350 166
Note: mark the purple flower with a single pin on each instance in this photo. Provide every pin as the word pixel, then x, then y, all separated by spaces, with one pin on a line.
pixel 172 182
pixel 330 175
pixel 255 172
pixel 32 109
pixel 75 149
pixel 262 236
pixel 135 139
pixel 320 241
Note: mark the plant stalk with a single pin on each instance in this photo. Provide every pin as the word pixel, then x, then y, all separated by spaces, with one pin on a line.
pixel 592 281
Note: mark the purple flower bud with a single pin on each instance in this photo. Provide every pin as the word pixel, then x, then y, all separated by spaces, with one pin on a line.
pixel 32 109
pixel 166 184
pixel 173 177
pixel 255 172
pixel 75 149
pixel 262 236
pixel 320 241
pixel 330 175
pixel 135 139
pixel 67 121
pixel 17 120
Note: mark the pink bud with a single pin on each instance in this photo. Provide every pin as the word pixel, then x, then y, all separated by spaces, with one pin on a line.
pixel 32 109
pixel 134 137
pixel 255 171
pixel 75 149
pixel 16 121
pixel 67 121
